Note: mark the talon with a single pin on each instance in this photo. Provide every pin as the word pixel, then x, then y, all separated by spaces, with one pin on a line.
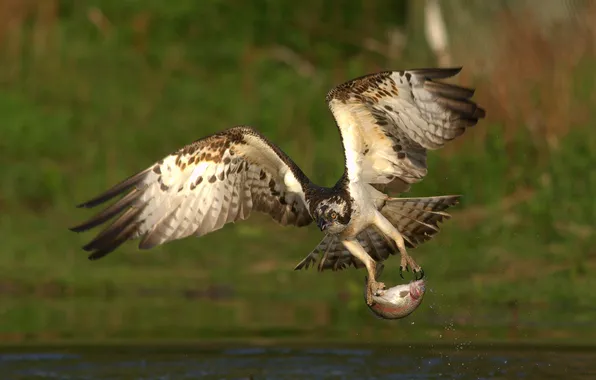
pixel 374 289
pixel 377 287
pixel 401 272
pixel 420 272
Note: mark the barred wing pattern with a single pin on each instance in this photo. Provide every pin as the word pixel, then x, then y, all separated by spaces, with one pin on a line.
pixel 198 189
pixel 389 120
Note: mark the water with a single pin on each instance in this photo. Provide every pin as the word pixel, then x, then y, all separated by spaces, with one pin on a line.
pixel 298 363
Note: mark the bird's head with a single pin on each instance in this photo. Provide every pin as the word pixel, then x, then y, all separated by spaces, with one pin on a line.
pixel 332 215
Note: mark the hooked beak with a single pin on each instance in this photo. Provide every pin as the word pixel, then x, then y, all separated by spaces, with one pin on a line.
pixel 322 224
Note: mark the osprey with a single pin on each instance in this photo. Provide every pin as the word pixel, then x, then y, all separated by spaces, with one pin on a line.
pixel 387 122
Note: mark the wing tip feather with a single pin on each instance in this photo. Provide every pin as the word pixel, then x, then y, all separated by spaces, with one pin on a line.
pixel 115 190
pixel 116 234
pixel 457 100
pixel 109 212
pixel 438 72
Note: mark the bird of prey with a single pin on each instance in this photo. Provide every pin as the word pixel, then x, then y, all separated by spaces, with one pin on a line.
pixel 387 122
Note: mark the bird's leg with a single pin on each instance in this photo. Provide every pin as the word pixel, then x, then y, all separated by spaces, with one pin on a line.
pixel 407 261
pixel 373 287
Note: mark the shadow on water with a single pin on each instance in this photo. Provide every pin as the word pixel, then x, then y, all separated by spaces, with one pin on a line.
pixel 249 362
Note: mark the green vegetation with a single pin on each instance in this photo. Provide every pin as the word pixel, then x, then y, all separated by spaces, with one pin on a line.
pixel 93 91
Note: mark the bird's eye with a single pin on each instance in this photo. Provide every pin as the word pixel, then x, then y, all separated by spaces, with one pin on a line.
pixel 333 215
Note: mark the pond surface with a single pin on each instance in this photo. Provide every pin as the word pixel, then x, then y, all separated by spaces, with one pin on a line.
pixel 298 363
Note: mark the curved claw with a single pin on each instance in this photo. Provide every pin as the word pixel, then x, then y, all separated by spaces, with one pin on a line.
pixel 421 271
pixel 401 272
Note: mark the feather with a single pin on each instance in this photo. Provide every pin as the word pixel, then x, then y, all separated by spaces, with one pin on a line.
pixel 198 189
pixel 390 119
pixel 417 219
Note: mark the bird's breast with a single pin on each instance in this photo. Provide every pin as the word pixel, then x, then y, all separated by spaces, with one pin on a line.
pixel 363 210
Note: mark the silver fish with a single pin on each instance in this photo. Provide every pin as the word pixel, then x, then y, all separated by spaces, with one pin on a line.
pixel 397 302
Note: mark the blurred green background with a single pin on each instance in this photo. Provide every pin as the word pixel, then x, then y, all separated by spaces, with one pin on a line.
pixel 92 91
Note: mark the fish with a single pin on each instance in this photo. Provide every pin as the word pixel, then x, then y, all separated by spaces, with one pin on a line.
pixel 396 302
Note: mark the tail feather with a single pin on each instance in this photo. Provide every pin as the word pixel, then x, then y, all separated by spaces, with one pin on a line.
pixel 417 219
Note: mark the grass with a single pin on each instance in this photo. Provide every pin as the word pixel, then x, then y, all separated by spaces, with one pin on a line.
pixel 92 92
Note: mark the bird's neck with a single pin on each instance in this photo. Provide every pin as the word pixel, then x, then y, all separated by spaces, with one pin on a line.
pixel 316 194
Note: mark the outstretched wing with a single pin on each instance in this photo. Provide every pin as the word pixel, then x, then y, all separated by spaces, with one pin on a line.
pixel 198 189
pixel 390 119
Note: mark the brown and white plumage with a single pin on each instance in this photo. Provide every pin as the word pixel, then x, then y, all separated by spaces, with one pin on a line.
pixel 417 219
pixel 387 122
pixel 198 189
